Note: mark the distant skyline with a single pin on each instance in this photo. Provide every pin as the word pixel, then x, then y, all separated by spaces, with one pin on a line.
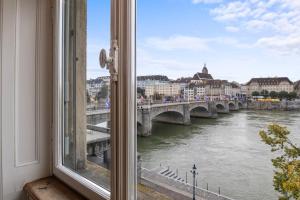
pixel 238 40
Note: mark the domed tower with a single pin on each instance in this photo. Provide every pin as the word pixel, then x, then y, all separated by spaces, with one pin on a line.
pixel 205 70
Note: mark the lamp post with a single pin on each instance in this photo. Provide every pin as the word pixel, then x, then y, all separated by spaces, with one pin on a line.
pixel 193 171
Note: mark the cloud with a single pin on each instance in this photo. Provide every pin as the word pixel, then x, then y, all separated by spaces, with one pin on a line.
pixel 178 42
pixel 206 1
pixel 231 11
pixel 181 42
pixel 232 29
pixel 260 14
pixel 156 64
pixel 272 19
pixel 284 45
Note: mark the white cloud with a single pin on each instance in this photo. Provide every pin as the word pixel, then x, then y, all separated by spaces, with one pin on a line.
pixel 151 64
pixel 285 45
pixel 259 14
pixel 274 19
pixel 232 29
pixel 206 1
pixel 177 43
pixel 192 43
pixel 231 11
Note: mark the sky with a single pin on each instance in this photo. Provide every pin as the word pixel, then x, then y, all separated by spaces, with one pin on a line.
pixel 236 39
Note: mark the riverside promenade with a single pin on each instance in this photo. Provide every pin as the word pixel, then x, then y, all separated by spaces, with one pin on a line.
pixel 283 105
pixel 167 182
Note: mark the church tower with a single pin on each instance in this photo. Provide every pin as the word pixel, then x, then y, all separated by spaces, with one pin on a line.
pixel 205 70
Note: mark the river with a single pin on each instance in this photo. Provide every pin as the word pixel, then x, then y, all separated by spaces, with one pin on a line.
pixel 227 151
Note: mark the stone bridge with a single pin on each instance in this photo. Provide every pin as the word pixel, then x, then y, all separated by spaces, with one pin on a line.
pixel 97 116
pixel 225 107
pixel 175 113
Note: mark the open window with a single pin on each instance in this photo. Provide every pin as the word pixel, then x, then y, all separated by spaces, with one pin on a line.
pixel 93 152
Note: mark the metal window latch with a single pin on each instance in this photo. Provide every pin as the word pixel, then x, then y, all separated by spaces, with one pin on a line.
pixel 110 62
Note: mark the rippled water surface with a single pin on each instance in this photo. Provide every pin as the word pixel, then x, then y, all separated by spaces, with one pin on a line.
pixel 227 151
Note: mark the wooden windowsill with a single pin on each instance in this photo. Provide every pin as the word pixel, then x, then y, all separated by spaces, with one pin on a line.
pixel 50 189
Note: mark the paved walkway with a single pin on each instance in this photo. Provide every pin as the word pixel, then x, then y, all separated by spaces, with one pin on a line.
pixel 172 183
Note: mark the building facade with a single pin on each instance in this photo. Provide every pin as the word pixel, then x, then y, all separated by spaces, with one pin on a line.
pixel 202 86
pixel 189 94
pixel 202 77
pixel 297 88
pixel 144 81
pixel 165 89
pixel 276 84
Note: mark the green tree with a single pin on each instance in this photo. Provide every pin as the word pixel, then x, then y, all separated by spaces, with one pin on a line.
pixel 283 95
pixel 273 94
pixel 286 178
pixel 88 97
pixel 103 92
pixel 157 96
pixel 264 93
pixel 292 95
pixel 140 91
pixel 255 93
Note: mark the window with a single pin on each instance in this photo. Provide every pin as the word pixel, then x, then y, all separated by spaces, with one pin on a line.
pixel 238 52
pixel 86 102
pixel 92 141
pixel 195 136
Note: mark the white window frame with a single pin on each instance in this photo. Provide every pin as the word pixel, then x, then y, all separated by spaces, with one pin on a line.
pixel 1 24
pixel 79 183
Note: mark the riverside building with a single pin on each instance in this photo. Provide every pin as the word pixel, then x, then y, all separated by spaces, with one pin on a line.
pixel 276 84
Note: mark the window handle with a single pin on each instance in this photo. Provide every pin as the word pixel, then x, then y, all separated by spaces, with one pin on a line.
pixel 111 62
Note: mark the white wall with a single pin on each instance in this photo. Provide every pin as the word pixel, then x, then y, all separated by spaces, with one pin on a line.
pixel 26 94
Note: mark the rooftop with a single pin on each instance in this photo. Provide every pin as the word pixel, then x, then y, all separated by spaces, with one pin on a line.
pixel 269 81
pixel 153 77
pixel 199 76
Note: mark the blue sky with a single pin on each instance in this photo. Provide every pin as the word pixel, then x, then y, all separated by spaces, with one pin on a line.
pixel 236 39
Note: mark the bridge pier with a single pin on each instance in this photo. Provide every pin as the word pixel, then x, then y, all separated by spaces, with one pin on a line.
pixel 234 106
pixel 186 114
pixel 211 112
pixel 146 123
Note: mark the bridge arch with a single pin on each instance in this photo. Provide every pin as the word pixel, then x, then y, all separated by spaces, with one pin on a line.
pixel 194 106
pixel 199 109
pixel 231 105
pixel 220 106
pixel 173 117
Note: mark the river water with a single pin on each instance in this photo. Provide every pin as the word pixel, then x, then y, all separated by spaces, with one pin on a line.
pixel 227 151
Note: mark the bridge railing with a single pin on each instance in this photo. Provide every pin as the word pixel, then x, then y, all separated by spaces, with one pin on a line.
pixel 97 128
pixel 169 102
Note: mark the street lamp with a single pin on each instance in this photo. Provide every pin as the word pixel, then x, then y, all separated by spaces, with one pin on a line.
pixel 193 171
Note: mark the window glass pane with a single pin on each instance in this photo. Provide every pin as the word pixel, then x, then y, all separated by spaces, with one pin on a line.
pixel 210 75
pixel 86 130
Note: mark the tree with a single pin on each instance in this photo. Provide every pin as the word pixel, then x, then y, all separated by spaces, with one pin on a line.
pixel 283 95
pixel 140 91
pixel 273 94
pixel 103 92
pixel 255 93
pixel 292 95
pixel 264 93
pixel 157 96
pixel 88 97
pixel 286 178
